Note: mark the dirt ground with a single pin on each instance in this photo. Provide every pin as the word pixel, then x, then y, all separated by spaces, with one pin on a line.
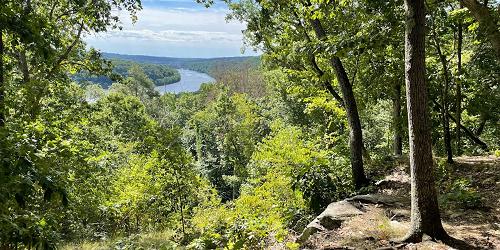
pixel 469 201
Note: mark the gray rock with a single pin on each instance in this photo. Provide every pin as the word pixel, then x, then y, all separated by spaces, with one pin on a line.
pixel 373 199
pixel 312 228
pixel 330 219
pixel 340 210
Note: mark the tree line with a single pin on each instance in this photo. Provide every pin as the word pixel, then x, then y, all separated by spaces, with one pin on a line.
pixel 159 74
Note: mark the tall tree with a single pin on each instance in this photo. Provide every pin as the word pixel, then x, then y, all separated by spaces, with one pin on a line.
pixel 425 217
pixel 297 35
pixel 487 20
pixel 2 84
pixel 355 132
pixel 444 93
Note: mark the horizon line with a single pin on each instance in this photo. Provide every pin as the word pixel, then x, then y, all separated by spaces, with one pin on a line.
pixel 172 57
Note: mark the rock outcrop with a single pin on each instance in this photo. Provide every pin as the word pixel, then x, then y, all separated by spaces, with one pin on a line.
pixel 338 212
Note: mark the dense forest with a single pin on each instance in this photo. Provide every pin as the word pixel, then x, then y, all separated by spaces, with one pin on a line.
pixel 203 65
pixel 350 100
pixel 159 74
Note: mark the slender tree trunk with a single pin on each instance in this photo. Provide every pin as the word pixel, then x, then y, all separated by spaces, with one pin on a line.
pixel 444 99
pixel 425 218
pixel 458 101
pixel 446 120
pixel 355 133
pixel 396 121
pixel 467 131
pixel 2 83
pixel 482 123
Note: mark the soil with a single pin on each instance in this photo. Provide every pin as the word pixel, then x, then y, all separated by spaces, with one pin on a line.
pixel 469 202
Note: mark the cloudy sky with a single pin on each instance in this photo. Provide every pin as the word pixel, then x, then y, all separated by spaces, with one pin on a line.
pixel 175 28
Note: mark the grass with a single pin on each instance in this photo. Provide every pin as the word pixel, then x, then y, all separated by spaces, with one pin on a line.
pixel 154 240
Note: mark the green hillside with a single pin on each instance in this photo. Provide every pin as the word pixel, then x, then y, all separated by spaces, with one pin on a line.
pixel 158 73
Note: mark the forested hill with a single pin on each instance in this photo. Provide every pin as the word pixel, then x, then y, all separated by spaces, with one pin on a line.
pixel 159 74
pixel 203 65
pixel 162 70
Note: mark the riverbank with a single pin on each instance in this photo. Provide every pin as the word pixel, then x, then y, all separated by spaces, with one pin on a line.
pixel 190 82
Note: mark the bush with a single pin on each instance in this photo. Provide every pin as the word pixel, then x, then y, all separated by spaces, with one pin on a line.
pixel 462 194
pixel 260 215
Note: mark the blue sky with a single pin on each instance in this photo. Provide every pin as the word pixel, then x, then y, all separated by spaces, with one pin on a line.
pixel 174 28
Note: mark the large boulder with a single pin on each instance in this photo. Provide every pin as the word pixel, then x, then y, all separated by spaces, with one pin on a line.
pixel 330 219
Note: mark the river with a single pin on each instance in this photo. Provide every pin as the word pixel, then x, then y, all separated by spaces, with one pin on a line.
pixel 190 82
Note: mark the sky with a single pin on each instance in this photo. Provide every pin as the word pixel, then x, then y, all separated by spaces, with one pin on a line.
pixel 175 28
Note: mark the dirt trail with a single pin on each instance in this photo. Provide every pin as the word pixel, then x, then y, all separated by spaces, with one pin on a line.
pixel 469 202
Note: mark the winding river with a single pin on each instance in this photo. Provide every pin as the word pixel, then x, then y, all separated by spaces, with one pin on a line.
pixel 190 82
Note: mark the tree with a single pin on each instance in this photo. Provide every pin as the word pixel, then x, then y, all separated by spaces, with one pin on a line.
pixel 487 20
pixel 355 132
pixel 444 90
pixel 425 217
pixel 139 83
pixel 298 36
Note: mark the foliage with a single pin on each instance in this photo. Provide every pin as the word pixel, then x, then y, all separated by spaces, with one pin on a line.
pixel 456 191
pixel 226 132
pixel 259 215
pixel 462 194
pixel 159 74
pixel 319 174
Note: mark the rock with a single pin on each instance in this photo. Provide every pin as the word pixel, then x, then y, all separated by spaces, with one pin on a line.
pixel 341 210
pixel 374 199
pixel 330 219
pixel 330 223
pixel 388 184
pixel 312 228
pixel 399 214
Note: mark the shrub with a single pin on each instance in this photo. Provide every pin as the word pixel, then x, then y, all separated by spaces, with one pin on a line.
pixel 261 214
pixel 461 193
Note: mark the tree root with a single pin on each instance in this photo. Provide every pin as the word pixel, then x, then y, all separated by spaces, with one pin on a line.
pixel 416 237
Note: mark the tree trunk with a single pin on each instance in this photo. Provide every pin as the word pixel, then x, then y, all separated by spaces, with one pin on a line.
pixel 468 132
pixel 425 218
pixel 444 99
pixel 396 120
pixel 2 83
pixel 482 123
pixel 458 101
pixel 487 21
pixel 355 133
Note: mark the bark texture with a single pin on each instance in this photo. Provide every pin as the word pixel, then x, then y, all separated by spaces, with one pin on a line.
pixel 425 217
pixel 355 133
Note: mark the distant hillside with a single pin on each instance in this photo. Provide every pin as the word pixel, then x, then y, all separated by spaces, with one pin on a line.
pixel 160 74
pixel 203 65
pixel 162 70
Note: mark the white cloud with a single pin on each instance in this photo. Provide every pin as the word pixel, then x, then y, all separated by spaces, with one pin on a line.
pixel 174 32
pixel 174 36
